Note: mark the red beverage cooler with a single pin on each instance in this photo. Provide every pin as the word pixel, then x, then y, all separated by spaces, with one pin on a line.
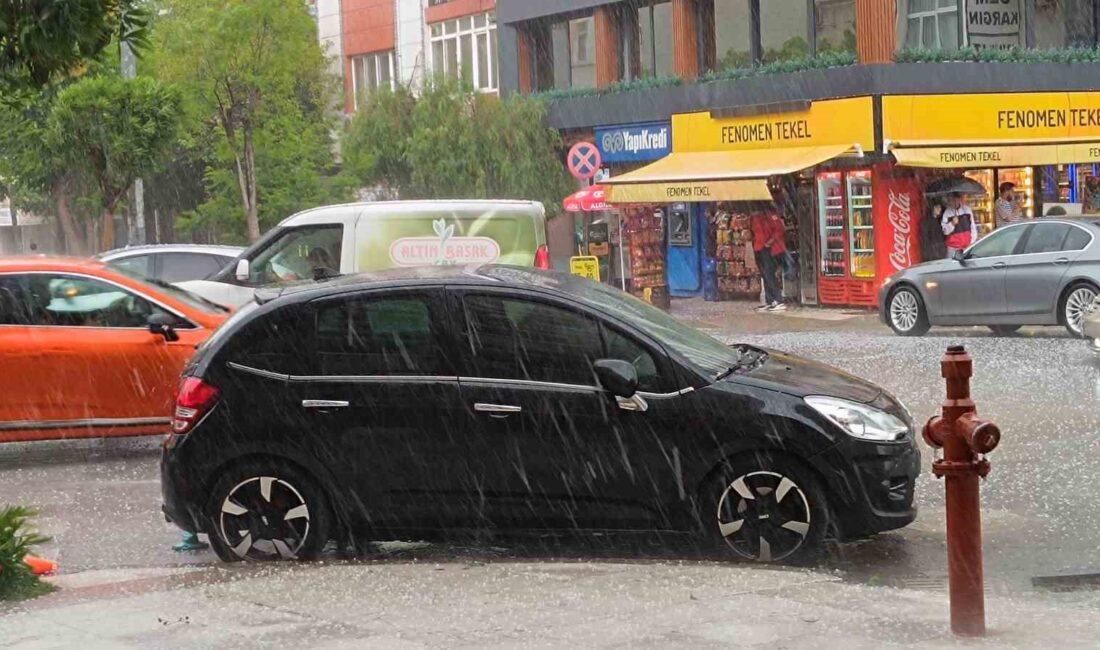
pixel 867 226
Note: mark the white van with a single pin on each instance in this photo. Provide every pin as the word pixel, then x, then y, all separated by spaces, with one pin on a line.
pixel 341 239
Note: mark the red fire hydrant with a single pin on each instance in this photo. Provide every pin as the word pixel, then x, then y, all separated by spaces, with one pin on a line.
pixel 965 438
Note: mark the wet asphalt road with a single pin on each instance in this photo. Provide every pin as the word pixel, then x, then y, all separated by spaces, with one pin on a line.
pixel 100 500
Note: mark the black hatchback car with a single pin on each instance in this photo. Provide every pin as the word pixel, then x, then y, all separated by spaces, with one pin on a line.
pixel 407 403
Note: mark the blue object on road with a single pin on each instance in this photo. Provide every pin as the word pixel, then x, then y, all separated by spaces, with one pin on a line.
pixel 190 542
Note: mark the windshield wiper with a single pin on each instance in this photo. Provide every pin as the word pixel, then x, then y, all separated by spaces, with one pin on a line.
pixel 748 358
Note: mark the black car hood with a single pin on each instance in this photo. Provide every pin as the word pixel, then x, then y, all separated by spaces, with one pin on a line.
pixel 801 377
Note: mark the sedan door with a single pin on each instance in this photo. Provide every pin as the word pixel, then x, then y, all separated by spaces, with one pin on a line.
pixel 384 398
pixel 974 288
pixel 1034 279
pixel 552 449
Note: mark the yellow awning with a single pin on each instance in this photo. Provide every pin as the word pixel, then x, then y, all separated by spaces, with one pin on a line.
pixel 715 175
pixel 962 155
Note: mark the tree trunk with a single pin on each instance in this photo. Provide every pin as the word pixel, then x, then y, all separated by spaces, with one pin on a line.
pixel 246 178
pixel 107 239
pixel 75 243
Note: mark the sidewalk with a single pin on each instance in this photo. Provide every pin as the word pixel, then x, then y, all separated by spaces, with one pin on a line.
pixel 522 604
pixel 742 317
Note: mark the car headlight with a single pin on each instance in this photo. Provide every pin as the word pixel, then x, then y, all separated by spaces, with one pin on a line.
pixel 859 420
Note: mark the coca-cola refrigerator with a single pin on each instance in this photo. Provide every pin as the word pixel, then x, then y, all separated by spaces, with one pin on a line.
pixel 867 223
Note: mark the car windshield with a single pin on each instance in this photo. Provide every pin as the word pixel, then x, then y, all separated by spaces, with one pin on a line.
pixel 182 295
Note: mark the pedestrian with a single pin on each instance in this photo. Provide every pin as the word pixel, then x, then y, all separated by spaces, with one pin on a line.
pixel 960 229
pixel 762 242
pixel 778 233
pixel 1008 206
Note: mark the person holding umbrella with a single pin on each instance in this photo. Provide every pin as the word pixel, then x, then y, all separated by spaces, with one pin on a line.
pixel 960 229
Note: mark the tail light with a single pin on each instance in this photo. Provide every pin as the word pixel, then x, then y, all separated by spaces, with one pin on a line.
pixel 195 400
pixel 542 258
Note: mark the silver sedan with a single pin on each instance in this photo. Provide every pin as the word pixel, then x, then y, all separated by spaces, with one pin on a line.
pixel 1042 272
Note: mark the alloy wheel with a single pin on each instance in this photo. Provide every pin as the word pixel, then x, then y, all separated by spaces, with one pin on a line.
pixel 764 516
pixel 264 518
pixel 1078 305
pixel 904 310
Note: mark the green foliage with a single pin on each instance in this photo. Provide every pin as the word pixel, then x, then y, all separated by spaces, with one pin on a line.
pixel 16 539
pixel 821 61
pixel 42 40
pixel 990 55
pixel 453 142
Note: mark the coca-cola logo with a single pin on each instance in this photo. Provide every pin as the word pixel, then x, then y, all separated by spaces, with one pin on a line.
pixel 900 213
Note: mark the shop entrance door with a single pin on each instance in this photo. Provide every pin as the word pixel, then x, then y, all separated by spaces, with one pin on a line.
pixel 685 250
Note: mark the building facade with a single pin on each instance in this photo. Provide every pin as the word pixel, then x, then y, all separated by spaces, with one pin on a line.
pixel 839 116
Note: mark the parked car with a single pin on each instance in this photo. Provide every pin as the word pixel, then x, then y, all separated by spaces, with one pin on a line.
pixel 172 262
pixel 418 401
pixel 1043 272
pixel 355 237
pixel 91 351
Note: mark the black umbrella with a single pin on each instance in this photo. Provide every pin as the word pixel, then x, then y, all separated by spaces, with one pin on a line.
pixel 955 185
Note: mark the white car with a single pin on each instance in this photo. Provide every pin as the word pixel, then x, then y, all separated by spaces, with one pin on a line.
pixel 173 263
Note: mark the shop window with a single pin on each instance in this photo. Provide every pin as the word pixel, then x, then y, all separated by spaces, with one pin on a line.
pixel 1059 24
pixel 929 24
pixel 582 52
pixel 655 39
pixel 465 48
pixel 835 25
pixel 783 30
pixel 371 72
pixel 732 34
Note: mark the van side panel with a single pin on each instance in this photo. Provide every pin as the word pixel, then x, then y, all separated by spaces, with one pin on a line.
pixel 504 235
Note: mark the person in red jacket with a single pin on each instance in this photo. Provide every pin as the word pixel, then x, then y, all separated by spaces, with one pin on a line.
pixel 763 239
pixel 777 231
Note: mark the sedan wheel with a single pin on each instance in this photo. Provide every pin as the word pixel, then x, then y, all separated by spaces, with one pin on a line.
pixel 768 511
pixel 905 313
pixel 268 513
pixel 1076 305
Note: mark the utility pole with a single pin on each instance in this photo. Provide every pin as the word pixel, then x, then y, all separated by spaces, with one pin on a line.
pixel 136 230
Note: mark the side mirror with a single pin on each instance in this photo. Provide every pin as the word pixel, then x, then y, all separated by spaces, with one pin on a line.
pixel 242 273
pixel 163 325
pixel 620 378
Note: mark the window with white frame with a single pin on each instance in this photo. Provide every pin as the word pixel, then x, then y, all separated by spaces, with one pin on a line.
pixel 932 25
pixel 369 72
pixel 466 48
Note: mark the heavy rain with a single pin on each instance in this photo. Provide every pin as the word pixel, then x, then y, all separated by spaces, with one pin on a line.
pixel 597 323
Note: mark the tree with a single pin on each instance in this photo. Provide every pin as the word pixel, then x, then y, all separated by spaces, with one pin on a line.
pixel 41 40
pixel 246 63
pixel 111 130
pixel 454 142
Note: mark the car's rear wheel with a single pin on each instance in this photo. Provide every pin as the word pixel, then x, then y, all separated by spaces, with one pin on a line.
pixel 1004 330
pixel 905 312
pixel 1076 303
pixel 268 510
pixel 766 508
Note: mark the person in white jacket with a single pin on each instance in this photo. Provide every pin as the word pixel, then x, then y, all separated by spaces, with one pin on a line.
pixel 960 229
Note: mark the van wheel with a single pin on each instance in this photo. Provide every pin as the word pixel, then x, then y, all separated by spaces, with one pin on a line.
pixel 906 314
pixel 765 508
pixel 268 510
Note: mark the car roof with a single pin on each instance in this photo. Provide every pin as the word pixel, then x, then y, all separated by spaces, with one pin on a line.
pixel 50 263
pixel 350 211
pixel 497 275
pixel 213 249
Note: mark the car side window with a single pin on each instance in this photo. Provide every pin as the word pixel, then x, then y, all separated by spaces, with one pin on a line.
pixel 297 253
pixel 77 301
pixel 275 342
pixel 623 347
pixel 14 305
pixel 998 243
pixel 512 338
pixel 382 335
pixel 1046 238
pixel 138 265
pixel 181 267
pixel 1076 240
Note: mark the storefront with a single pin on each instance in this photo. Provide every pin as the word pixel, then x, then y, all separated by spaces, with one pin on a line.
pixel 727 165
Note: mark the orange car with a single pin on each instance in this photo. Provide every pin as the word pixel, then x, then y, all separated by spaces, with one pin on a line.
pixel 88 351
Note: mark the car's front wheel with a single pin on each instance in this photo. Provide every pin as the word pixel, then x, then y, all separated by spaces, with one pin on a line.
pixel 766 508
pixel 1076 305
pixel 905 312
pixel 267 510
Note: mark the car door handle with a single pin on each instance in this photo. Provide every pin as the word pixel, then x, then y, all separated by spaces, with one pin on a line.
pixel 1062 260
pixel 497 410
pixel 999 265
pixel 323 403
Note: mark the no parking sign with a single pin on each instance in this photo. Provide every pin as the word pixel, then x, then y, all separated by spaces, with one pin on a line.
pixel 583 160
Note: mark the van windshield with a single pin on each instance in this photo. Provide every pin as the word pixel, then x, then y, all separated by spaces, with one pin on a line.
pixel 296 253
